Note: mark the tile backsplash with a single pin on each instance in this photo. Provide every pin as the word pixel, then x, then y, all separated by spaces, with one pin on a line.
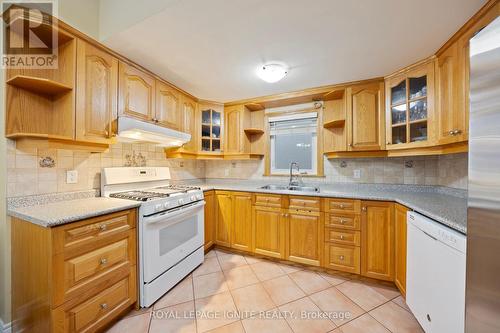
pixel 25 176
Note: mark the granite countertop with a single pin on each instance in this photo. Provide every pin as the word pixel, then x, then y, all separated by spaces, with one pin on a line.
pixel 447 206
pixel 53 211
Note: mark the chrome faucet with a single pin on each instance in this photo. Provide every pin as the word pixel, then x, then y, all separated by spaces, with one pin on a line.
pixel 295 180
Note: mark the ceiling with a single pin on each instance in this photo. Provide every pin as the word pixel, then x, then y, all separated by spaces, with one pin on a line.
pixel 212 49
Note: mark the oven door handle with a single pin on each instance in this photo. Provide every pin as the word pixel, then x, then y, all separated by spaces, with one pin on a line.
pixel 178 213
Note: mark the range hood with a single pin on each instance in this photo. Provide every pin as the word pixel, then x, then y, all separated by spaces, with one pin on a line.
pixel 133 130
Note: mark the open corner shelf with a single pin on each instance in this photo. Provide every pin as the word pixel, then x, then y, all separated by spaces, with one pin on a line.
pixel 38 85
pixel 339 123
pixel 251 131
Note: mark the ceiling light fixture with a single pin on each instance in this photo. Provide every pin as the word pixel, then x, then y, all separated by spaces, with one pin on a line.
pixel 272 72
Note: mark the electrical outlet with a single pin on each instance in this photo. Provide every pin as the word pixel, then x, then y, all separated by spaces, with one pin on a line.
pixel 71 177
pixel 357 173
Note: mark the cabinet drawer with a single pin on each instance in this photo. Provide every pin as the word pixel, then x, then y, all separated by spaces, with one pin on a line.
pixel 346 237
pixel 349 222
pixel 304 203
pixel 343 258
pixel 268 200
pixel 91 313
pixel 87 232
pixel 78 272
pixel 342 205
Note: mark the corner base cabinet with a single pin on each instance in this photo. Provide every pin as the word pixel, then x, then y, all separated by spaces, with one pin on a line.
pixel 77 277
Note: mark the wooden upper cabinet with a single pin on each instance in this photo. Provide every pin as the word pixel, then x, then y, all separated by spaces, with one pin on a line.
pixel 365 123
pixel 241 228
pixel 168 106
pixel 377 240
pixel 97 91
pixel 188 120
pixel 136 93
pixel 400 247
pixel 410 107
pixel 236 119
pixel 211 125
pixel 304 232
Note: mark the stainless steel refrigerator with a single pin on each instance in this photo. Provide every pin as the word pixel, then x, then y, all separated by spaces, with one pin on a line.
pixel 483 226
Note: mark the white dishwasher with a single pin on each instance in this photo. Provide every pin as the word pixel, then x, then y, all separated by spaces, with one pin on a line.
pixel 435 278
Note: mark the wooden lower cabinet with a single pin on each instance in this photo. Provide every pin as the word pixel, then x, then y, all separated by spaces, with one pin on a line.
pixel 344 258
pixel 86 273
pixel 304 236
pixel 400 247
pixel 209 219
pixel 268 228
pixel 377 240
pixel 241 229
pixel 223 217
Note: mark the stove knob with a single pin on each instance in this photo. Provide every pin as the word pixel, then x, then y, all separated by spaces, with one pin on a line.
pixel 199 196
pixel 193 198
pixel 181 201
pixel 158 207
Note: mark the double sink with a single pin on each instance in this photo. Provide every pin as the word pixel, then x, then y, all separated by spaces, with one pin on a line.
pixel 291 188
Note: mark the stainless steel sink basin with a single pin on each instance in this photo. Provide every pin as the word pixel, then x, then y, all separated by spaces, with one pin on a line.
pixel 291 188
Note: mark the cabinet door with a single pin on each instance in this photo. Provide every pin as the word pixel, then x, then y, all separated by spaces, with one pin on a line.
pixel 400 247
pixel 365 117
pixel 168 106
pixel 137 93
pixel 304 237
pixel 209 219
pixel 234 131
pixel 268 229
pixel 97 89
pixel 241 229
pixel 223 217
pixel 189 118
pixel 377 240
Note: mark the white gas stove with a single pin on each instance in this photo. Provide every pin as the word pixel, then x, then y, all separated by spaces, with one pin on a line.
pixel 171 225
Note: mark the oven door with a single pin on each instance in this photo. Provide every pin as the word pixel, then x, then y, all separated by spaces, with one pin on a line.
pixel 169 237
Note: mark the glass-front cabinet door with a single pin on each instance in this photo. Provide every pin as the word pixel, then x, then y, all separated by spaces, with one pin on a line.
pixel 410 100
pixel 211 130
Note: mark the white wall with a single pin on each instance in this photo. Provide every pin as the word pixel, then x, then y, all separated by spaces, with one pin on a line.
pixel 82 15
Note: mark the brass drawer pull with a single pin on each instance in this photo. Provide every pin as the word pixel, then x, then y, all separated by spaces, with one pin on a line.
pixel 341 206
pixel 104 306
pixel 343 221
pixel 342 237
pixel 341 258
pixel 103 227
pixel 103 261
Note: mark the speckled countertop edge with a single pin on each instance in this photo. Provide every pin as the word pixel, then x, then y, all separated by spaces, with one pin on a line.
pixel 447 206
pixel 56 209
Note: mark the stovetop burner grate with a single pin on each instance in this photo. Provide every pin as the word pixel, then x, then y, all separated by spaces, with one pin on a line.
pixel 138 195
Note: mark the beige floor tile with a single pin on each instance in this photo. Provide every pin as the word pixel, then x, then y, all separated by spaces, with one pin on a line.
pixel 309 282
pixel 210 254
pixel 396 319
pixel 230 261
pixel 251 300
pixel 363 324
pixel 267 270
pixel 235 327
pixel 253 260
pixel 288 269
pixel 136 324
pixel 333 279
pixel 389 292
pixel 401 302
pixel 283 290
pixel 210 265
pixel 215 311
pixel 241 276
pixel 135 312
pixel 209 284
pixel 220 252
pixel 338 307
pixel 307 317
pixel 270 322
pixel 362 294
pixel 174 319
pixel 181 293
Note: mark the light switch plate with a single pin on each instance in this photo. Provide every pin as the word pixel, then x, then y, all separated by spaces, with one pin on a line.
pixel 71 177
pixel 357 173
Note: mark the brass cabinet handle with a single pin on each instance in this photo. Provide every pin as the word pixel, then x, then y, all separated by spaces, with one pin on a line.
pixel 343 221
pixel 103 227
pixel 364 209
pixel 104 306
pixel 103 261
pixel 341 206
pixel 341 258
pixel 342 237
pixel 350 145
